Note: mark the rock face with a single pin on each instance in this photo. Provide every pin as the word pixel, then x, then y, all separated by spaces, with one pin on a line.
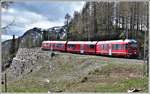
pixel 32 38
pixel 25 62
pixel 6 58
pixel 32 60
pixel 7 54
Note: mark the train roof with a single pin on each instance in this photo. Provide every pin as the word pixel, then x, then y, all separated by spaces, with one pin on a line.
pixel 82 42
pixel 121 41
pixel 93 42
pixel 54 41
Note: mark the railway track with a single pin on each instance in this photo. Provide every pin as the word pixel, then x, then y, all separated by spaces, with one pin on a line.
pixel 105 58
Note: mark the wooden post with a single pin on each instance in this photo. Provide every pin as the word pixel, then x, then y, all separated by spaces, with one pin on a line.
pixel 147 66
pixel 148 8
pixel 144 58
pixel 5 82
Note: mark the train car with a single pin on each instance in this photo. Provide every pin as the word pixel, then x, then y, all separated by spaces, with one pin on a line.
pixel 125 48
pixel 60 45
pixel 83 47
pixel 54 45
pixel 103 48
pixel 45 45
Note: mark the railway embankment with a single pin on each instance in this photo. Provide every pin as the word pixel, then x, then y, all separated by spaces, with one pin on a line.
pixel 34 70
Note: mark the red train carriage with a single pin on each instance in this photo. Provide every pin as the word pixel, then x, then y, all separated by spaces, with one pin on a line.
pixel 103 48
pixel 45 45
pixel 60 45
pixel 126 48
pixel 54 45
pixel 83 47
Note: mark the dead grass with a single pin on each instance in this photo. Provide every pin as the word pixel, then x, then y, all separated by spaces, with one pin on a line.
pixel 82 73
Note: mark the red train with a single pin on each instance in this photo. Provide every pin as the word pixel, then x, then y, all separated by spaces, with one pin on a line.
pixel 123 48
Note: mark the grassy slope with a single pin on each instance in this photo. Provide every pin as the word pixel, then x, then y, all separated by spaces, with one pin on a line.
pixel 114 78
pixel 72 73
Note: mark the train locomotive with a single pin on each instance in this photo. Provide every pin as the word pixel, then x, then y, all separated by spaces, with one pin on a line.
pixel 119 48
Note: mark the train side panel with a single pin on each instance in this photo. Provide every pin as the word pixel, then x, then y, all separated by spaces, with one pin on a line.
pixel 111 48
pixel 123 48
pixel 54 45
pixel 103 48
pixel 83 47
pixel 119 49
pixel 74 48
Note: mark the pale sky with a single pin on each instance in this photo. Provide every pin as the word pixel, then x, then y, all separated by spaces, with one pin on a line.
pixel 27 15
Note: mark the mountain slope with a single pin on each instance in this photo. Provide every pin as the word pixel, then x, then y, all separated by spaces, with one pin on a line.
pixel 33 70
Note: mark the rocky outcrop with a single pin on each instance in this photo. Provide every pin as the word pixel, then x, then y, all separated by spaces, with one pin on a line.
pixel 8 53
pixel 25 62
pixel 32 38
pixel 32 60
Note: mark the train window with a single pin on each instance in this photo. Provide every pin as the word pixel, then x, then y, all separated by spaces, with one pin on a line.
pixel 44 44
pixel 71 46
pixel 47 44
pixel 116 47
pixel 106 46
pixel 112 46
pixel 126 46
pixel 55 45
pixel 102 46
pixel 59 45
pixel 91 46
pixel 123 46
pixel 119 47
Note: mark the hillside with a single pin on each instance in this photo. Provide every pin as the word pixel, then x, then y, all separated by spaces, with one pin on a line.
pixel 33 70
pixel 31 38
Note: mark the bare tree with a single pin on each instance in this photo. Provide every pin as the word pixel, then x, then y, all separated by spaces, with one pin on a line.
pixel 4 28
pixel 67 17
pixel 5 4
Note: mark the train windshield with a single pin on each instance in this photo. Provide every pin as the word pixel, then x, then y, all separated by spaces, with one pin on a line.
pixel 134 45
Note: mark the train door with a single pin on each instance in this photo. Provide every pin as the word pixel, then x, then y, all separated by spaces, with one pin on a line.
pixel 81 48
pixel 51 45
pixel 110 50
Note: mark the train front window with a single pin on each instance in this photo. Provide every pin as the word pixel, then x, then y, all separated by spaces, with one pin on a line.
pixel 134 45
